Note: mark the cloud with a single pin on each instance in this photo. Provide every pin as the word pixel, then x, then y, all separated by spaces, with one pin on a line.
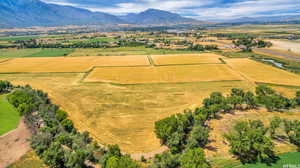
pixel 199 9
pixel 138 6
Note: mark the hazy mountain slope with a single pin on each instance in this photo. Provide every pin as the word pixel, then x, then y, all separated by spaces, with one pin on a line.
pixel 23 13
pixel 154 16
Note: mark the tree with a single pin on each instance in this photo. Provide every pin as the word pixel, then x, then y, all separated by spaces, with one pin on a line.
pixel 249 142
pixel 121 162
pixel 166 160
pixel 275 123
pixel 297 98
pixel 5 86
pixel 194 158
pixel 165 128
pixel 250 100
pixel 198 137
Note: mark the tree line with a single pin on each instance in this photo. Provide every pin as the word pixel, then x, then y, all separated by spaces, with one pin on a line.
pixel 188 133
pixel 55 139
pixel 58 143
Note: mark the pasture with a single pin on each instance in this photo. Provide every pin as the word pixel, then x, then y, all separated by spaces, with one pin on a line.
pixel 259 72
pixel 186 59
pixel 9 117
pixel 123 51
pixel 163 74
pixel 68 64
pixel 118 98
pixel 35 52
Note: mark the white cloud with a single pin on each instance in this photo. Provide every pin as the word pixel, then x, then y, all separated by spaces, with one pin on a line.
pixel 199 8
pixel 251 8
pixel 138 6
pixel 59 2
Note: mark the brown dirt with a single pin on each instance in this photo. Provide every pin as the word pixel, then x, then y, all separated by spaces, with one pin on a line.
pixel 14 145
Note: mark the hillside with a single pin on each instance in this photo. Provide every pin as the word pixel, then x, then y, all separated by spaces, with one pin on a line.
pixel 25 13
pixel 154 16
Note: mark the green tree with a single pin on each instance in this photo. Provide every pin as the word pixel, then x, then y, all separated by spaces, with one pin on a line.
pixel 198 137
pixel 194 158
pixel 249 142
pixel 275 123
pixel 166 160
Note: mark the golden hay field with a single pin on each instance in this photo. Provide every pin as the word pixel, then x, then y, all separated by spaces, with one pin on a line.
pixel 123 115
pixel 69 64
pixel 163 74
pixel 206 58
pixel 260 72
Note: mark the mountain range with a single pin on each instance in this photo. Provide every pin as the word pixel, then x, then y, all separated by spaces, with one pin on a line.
pixel 27 13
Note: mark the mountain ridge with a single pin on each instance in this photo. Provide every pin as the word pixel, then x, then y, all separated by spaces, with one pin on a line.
pixel 28 13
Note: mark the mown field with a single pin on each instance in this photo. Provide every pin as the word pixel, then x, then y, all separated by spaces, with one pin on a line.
pixel 125 114
pixel 186 59
pixel 68 64
pixel 9 117
pixel 163 74
pixel 260 72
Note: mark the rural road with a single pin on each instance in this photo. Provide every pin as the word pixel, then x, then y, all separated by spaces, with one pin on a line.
pixel 267 51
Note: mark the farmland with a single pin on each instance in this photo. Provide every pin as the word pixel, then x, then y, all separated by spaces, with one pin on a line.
pixel 117 91
pixel 259 72
pixel 163 74
pixel 68 64
pixel 186 59
pixel 9 117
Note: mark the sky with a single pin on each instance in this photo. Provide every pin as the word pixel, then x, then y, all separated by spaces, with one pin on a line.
pixel 198 9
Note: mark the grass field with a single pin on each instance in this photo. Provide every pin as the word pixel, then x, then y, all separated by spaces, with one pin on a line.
pixel 36 52
pixel 286 160
pixel 206 58
pixel 30 160
pixel 124 115
pixel 260 72
pixel 9 117
pixel 68 64
pixel 124 51
pixel 163 74
pixel 51 52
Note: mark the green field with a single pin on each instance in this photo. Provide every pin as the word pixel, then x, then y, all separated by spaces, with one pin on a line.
pixel 52 52
pixel 18 38
pixel 36 52
pixel 291 159
pixel 9 117
pixel 126 51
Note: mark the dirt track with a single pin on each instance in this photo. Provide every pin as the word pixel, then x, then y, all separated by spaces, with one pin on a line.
pixel 14 145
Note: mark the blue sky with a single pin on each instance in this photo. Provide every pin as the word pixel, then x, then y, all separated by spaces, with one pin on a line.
pixel 198 9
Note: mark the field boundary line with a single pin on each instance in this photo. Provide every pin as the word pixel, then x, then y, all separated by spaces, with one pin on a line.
pixel 157 83
pixel 6 60
pixel 188 64
pixel 250 80
pixel 277 84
